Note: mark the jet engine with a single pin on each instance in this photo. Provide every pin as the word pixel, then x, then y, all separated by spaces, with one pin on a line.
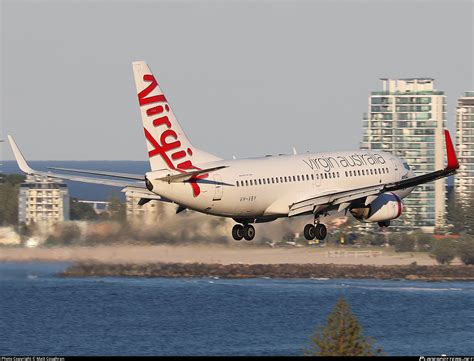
pixel 385 207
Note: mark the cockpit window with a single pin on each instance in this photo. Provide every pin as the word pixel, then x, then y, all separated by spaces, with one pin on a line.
pixel 406 166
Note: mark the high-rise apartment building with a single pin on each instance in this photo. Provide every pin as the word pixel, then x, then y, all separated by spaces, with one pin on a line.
pixel 407 119
pixel 464 179
pixel 43 201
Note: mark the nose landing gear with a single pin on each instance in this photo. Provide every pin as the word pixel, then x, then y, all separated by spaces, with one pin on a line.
pixel 246 231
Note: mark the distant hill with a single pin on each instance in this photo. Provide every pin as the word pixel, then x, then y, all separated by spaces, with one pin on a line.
pixel 91 192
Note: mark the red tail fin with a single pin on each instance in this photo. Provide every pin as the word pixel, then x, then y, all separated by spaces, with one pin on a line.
pixel 452 159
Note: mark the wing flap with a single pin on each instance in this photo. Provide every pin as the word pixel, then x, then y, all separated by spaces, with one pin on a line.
pixel 336 198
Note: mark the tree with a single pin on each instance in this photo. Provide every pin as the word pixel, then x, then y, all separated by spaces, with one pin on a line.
pixel 81 211
pixel 465 251
pixel 460 213
pixel 342 335
pixel 404 244
pixel 116 208
pixel 443 250
pixel 423 240
pixel 377 239
pixel 9 188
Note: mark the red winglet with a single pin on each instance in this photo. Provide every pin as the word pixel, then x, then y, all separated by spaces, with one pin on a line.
pixel 452 160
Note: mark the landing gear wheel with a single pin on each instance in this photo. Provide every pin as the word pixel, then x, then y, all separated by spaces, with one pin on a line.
pixel 249 232
pixel 384 223
pixel 321 231
pixel 238 232
pixel 309 232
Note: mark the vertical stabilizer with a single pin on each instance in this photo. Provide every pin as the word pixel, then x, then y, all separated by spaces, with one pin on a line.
pixel 167 144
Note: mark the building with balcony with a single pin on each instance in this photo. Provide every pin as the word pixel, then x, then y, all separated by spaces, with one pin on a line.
pixel 464 179
pixel 43 201
pixel 407 119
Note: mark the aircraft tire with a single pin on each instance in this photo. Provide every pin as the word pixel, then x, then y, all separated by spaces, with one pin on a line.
pixel 321 231
pixel 384 223
pixel 309 232
pixel 249 232
pixel 238 232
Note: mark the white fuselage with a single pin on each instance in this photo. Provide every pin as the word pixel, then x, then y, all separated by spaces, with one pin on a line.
pixel 267 187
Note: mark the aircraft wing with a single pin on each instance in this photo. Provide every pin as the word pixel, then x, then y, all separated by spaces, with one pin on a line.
pixel 101 173
pixel 344 199
pixel 24 166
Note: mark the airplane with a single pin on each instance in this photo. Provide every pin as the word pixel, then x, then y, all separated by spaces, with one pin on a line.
pixel 369 184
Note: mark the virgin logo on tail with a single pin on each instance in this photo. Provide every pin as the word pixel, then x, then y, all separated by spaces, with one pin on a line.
pixel 169 146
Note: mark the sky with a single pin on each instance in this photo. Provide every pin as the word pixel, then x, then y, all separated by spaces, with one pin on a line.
pixel 244 78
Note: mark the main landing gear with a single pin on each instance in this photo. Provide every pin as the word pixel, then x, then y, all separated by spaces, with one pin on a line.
pixel 318 231
pixel 384 224
pixel 246 231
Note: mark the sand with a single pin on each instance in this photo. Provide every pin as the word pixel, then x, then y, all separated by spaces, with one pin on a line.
pixel 245 254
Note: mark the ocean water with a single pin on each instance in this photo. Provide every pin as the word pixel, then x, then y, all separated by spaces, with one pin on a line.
pixel 41 313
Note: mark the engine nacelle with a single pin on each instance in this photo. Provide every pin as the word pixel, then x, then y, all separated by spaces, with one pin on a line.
pixel 385 207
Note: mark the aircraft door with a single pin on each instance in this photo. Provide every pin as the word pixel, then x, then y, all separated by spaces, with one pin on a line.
pixel 317 179
pixel 219 187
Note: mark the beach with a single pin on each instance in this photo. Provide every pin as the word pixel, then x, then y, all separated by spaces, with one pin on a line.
pixel 216 254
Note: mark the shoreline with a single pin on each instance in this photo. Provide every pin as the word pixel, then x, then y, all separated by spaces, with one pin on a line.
pixel 239 253
pixel 242 271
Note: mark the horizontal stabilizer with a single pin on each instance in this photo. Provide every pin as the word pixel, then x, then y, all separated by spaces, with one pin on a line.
pixel 183 177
